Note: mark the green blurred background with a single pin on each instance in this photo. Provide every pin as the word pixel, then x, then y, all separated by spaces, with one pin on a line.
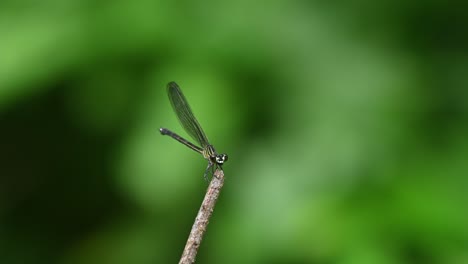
pixel 346 125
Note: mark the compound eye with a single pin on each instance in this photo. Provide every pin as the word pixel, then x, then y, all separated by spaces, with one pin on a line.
pixel 220 159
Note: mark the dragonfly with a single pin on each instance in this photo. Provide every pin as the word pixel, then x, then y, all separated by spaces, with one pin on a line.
pixel 193 128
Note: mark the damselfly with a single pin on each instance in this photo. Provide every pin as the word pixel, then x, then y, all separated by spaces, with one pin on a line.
pixel 193 128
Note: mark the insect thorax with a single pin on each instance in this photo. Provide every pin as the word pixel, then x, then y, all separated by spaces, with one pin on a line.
pixel 209 152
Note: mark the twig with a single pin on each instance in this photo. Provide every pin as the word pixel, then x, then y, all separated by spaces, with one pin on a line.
pixel 202 219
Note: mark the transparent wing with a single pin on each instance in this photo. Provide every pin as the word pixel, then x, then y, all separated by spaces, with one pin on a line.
pixel 185 115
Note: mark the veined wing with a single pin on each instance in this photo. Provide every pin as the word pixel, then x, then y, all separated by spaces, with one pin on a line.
pixel 185 114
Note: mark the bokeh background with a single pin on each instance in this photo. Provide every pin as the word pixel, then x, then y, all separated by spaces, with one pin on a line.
pixel 346 125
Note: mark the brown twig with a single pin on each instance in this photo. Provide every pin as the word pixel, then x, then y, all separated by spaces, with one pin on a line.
pixel 202 219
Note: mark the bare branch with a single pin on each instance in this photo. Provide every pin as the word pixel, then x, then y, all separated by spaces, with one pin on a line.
pixel 202 219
